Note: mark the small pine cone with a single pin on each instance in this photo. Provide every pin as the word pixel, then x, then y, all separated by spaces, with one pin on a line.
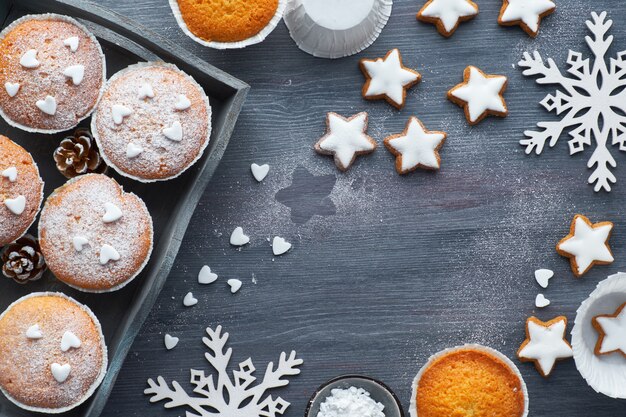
pixel 22 260
pixel 78 154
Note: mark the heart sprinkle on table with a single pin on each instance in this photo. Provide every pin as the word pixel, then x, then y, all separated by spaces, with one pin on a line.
pixel 259 171
pixel 280 246
pixel 541 301
pixel 189 300
pixel 238 238
pixel 543 276
pixel 205 276
pixel 234 285
pixel 170 341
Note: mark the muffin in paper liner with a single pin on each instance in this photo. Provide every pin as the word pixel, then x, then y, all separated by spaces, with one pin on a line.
pixel 336 28
pixel 606 374
pixel 258 38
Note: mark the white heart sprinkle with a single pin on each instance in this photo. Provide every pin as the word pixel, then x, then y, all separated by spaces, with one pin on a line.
pixel 280 246
pixel 260 171
pixel 76 73
pixel 541 301
pixel 542 276
pixel 183 102
pixel 68 341
pixel 34 332
pixel 17 205
pixel 79 242
pixel 118 112
pixel 205 276
pixel 175 132
pixel 189 300
pixel 29 59
pixel 60 372
pixel 10 173
pixel 234 284
pixel 133 151
pixel 12 88
pixel 72 43
pixel 170 342
pixel 112 213
pixel 145 91
pixel 238 238
pixel 108 253
pixel 48 106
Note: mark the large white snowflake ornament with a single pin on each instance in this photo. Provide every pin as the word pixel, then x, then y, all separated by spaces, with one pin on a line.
pixel 226 397
pixel 592 102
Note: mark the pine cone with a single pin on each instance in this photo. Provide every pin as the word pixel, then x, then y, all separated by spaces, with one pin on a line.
pixel 22 260
pixel 78 154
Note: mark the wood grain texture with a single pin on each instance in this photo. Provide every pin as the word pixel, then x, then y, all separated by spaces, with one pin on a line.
pixel 407 265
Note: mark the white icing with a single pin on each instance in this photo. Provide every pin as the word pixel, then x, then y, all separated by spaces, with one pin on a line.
pixel 72 43
pixel 449 12
pixel 183 103
pixel 205 276
pixel 133 151
pixel 16 205
pixel 588 244
pixel 12 88
pixel 48 105
pixel 280 246
pixel 170 342
pixel 145 91
pixel 235 285
pixel 29 59
pixel 542 276
pixel 76 73
pixel 614 329
pixel 346 137
pixel 388 77
pixel 338 14
pixel 34 332
pixel 541 301
pixel 259 171
pixel 527 11
pixel 174 132
pixel 79 242
pixel 238 238
pixel 60 372
pixel 119 112
pixel 481 93
pixel 108 253
pixel 69 341
pixel 10 173
pixel 112 213
pixel 417 146
pixel 546 345
pixel 189 300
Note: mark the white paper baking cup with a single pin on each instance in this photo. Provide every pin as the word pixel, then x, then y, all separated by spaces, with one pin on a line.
pixel 336 28
pixel 606 374
pixel 502 357
pixel 258 38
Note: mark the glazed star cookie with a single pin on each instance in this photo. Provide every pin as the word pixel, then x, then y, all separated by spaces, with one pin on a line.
pixel 480 95
pixel 94 236
pixel 386 78
pixel 525 13
pixel 586 245
pixel 545 344
pixel 612 332
pixel 416 147
pixel 446 15
pixel 345 139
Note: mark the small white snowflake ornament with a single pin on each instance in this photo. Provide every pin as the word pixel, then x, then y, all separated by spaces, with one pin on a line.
pixel 224 396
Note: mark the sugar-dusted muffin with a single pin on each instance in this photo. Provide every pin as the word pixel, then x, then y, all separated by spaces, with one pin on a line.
pixel 21 190
pixel 94 236
pixel 52 73
pixel 52 353
pixel 153 122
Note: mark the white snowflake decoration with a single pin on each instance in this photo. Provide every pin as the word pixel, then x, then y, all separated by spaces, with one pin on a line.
pixel 593 100
pixel 226 397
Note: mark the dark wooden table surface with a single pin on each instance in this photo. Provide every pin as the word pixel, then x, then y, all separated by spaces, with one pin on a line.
pixel 385 270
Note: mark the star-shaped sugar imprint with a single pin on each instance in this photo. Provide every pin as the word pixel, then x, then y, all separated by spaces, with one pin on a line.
pixel 525 13
pixel 612 332
pixel 346 139
pixel 386 78
pixel 446 15
pixel 545 344
pixel 416 147
pixel 480 95
pixel 586 245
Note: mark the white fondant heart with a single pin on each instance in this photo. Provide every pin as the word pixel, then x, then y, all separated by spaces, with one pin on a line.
pixel 79 242
pixel 76 73
pixel 112 213
pixel 183 102
pixel 119 111
pixel 145 91
pixel 48 105
pixel 16 205
pixel 280 246
pixel 260 171
pixel 189 300
pixel 175 132
pixel 29 59
pixel 34 332
pixel 72 43
pixel 60 372
pixel 108 253
pixel 68 341
pixel 133 151
pixel 205 276
pixel 12 88
pixel 238 238
pixel 541 301
pixel 10 173
pixel 542 276
pixel 235 285
pixel 170 342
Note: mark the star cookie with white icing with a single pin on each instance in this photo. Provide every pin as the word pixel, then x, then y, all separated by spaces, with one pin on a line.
pixel 525 13
pixel 416 147
pixel 387 78
pixel 345 139
pixel 446 15
pixel 586 245
pixel 480 95
pixel 545 344
pixel 612 332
